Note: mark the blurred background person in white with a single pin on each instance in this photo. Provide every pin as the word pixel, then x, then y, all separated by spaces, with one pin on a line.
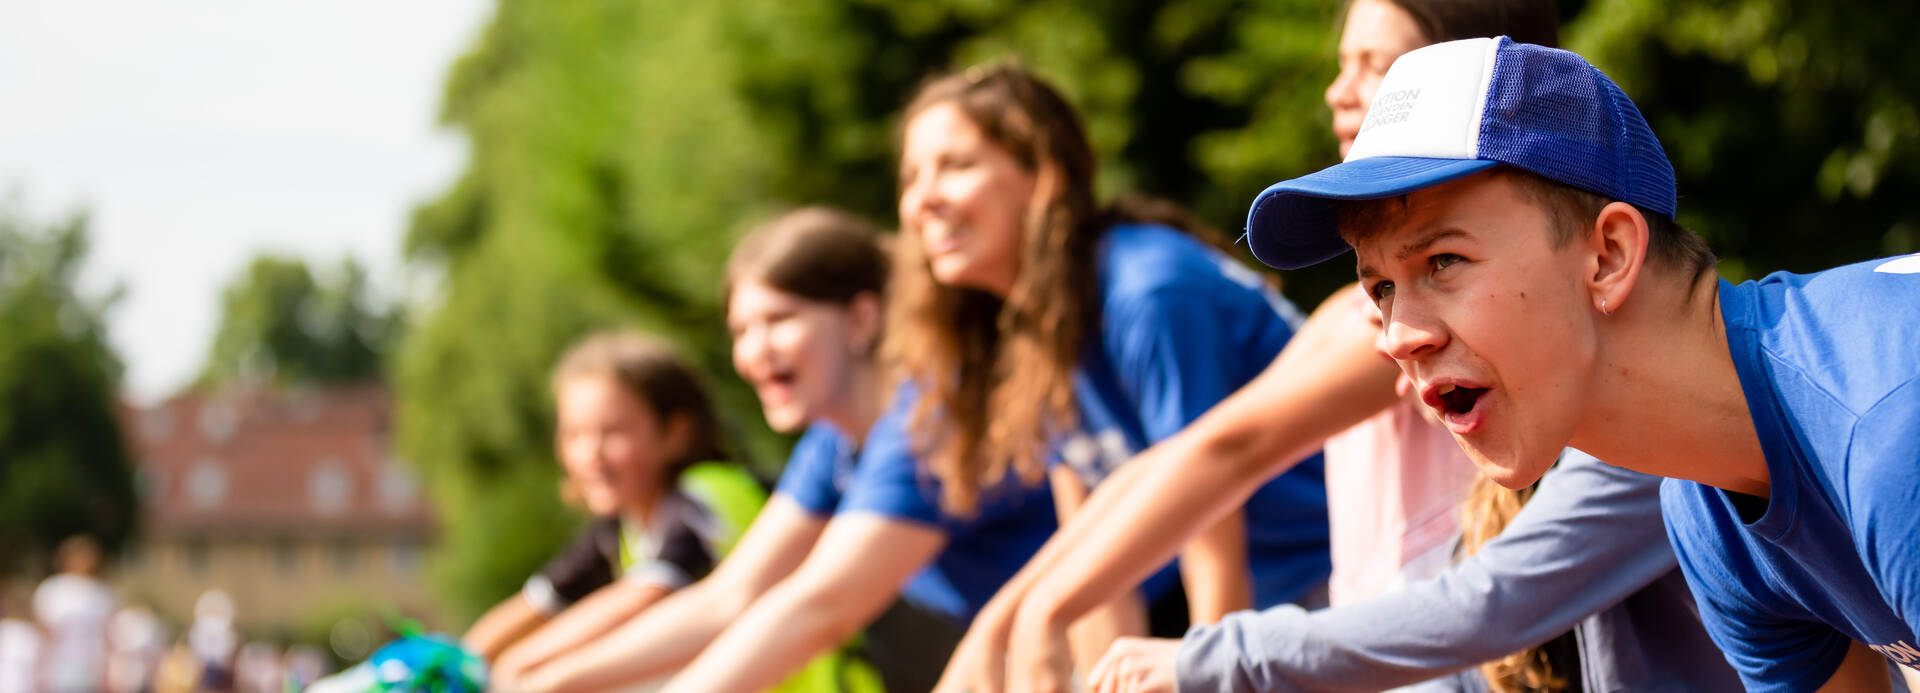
pixel 257 669
pixel 213 640
pixel 304 664
pixel 19 642
pixel 136 640
pixel 73 605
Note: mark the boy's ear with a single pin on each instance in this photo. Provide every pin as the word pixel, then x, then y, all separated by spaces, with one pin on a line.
pixel 1618 240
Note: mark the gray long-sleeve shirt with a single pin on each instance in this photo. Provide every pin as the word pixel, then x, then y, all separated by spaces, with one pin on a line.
pixel 1587 553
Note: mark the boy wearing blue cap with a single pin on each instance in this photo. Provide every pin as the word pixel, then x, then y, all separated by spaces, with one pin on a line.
pixel 1511 214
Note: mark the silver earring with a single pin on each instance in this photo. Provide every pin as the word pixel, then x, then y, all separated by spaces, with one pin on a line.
pixel 1603 307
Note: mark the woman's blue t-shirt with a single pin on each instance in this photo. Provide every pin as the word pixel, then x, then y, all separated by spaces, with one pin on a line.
pixel 1183 326
pixel 983 551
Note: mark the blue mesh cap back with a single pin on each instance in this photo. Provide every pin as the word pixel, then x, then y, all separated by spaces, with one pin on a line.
pixel 1550 112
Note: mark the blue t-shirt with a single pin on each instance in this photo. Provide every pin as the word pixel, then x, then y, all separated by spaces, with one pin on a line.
pixel 1181 327
pixel 1830 364
pixel 983 550
pixel 818 469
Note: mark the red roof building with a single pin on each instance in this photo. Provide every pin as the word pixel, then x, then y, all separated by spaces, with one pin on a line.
pixel 291 500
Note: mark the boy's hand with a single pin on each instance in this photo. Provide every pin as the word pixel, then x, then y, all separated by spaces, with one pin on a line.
pixel 1136 665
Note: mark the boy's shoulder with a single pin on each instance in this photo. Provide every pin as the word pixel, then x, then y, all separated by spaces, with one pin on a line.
pixel 1847 332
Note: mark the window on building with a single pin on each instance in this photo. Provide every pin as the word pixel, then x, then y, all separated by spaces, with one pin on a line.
pixel 329 488
pixel 346 557
pixel 206 484
pixel 197 556
pixel 286 556
pixel 404 558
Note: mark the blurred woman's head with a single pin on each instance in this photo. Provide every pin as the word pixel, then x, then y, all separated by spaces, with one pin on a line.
pixel 996 282
pixel 1376 32
pixel 631 417
pixel 803 302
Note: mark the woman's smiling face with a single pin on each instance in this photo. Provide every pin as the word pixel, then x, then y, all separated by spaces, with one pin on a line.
pixel 964 198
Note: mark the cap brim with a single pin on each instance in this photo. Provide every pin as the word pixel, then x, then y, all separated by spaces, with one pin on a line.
pixel 1292 223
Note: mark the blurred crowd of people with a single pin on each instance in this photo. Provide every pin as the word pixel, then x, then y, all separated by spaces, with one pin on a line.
pixel 73 634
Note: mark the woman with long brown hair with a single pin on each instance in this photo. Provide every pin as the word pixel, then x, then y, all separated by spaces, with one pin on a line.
pixel 1052 337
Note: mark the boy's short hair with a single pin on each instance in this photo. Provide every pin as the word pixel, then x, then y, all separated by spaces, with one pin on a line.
pixel 1570 210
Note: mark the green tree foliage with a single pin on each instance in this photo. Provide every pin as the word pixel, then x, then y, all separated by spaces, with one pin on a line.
pixel 620 147
pixel 278 322
pixel 64 466
pixel 1792 125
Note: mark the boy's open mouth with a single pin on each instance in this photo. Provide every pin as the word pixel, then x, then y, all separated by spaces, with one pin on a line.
pixel 1459 400
pixel 1458 405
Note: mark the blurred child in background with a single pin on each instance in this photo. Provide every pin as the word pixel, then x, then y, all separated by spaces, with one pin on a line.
pixel 638 440
pixel 803 295
pixel 73 605
pixel 20 642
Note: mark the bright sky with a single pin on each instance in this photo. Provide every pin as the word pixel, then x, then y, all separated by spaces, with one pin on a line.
pixel 200 133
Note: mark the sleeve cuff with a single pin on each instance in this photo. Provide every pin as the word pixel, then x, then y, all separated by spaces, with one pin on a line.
pixel 540 593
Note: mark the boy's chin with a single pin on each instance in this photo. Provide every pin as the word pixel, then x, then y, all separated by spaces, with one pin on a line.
pixel 1507 470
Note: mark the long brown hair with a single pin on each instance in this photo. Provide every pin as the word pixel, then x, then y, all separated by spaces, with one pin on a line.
pixel 652 371
pixel 972 352
pixel 1487 510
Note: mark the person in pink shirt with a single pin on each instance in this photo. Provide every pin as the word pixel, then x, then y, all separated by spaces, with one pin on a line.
pixel 1394 487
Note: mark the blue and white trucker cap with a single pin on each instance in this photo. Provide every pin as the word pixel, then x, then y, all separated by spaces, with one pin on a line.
pixel 1450 110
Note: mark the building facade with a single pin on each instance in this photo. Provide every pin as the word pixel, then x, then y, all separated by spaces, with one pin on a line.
pixel 290 500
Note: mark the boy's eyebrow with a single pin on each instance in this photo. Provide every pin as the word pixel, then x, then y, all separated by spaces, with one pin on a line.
pixel 1426 239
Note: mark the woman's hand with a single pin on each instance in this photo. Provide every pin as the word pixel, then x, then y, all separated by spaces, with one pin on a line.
pixel 1136 665
pixel 979 663
pixel 1039 656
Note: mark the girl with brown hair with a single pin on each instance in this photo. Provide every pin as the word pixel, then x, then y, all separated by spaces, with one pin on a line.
pixel 637 439
pixel 1052 338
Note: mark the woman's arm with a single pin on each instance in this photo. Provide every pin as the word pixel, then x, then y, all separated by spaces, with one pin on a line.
pixel 1327 379
pixel 1125 615
pixel 502 626
pixel 853 573
pixel 592 617
pixel 1214 567
pixel 676 629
